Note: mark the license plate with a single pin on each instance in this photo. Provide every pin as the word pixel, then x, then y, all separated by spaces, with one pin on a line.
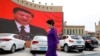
pixel 80 46
pixel 43 48
pixel 78 42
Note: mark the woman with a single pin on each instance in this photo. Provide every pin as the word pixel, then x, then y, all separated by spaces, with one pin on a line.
pixel 53 42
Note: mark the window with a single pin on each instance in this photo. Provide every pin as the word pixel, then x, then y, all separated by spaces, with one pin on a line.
pixel 68 31
pixel 26 3
pixel 17 36
pixel 34 5
pixel 82 31
pixel 76 37
pixel 22 2
pixel 47 7
pixel 79 31
pixel 64 37
pixel 39 6
pixel 43 7
pixel 88 37
pixel 18 0
pixel 51 8
pixel 73 31
pixel 76 31
pixel 64 31
pixel 30 4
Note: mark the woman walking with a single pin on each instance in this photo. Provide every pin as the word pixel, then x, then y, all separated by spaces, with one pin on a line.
pixel 53 42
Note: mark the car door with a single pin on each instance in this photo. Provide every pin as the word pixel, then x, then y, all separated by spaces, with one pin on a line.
pixel 62 40
pixel 17 41
pixel 22 42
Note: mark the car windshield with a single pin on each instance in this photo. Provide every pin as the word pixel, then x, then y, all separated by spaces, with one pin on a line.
pixel 76 37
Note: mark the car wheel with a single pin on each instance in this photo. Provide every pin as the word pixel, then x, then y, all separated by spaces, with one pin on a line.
pixel 66 48
pixel 13 48
pixel 91 48
pixel 87 49
pixel 32 51
pixel 81 50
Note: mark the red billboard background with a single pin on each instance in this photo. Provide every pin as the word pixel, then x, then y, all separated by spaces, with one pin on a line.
pixel 40 17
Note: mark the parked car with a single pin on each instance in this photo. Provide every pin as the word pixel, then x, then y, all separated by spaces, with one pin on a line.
pixel 72 42
pixel 90 42
pixel 11 42
pixel 39 43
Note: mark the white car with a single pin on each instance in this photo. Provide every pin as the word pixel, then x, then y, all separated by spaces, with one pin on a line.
pixel 39 43
pixel 11 42
pixel 72 42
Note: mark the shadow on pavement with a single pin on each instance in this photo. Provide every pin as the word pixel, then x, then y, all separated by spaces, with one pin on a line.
pixel 94 54
pixel 75 51
pixel 7 52
pixel 37 52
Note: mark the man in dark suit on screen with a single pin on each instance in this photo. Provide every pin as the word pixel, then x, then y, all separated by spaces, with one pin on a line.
pixel 20 24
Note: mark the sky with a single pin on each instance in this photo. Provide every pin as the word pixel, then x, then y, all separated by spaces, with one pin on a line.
pixel 78 12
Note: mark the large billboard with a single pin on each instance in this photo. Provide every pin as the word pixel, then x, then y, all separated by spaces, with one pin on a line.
pixel 38 22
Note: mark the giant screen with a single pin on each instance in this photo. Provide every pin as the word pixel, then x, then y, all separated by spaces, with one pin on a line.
pixel 38 21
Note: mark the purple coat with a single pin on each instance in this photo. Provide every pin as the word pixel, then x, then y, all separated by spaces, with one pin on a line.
pixel 52 42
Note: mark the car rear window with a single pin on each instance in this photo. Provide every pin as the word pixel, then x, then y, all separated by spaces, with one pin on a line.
pixel 89 37
pixel 41 37
pixel 76 37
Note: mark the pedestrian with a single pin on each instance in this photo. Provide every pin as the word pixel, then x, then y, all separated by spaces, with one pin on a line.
pixel 53 42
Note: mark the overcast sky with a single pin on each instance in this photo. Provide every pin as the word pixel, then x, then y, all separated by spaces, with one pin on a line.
pixel 78 12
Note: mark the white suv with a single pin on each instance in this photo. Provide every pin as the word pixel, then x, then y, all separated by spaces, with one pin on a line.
pixel 72 42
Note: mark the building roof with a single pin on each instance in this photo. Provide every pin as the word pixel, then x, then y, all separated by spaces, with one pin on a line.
pixel 38 7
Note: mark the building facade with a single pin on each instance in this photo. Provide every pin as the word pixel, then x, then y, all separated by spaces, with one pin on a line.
pixel 97 30
pixel 89 33
pixel 73 30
